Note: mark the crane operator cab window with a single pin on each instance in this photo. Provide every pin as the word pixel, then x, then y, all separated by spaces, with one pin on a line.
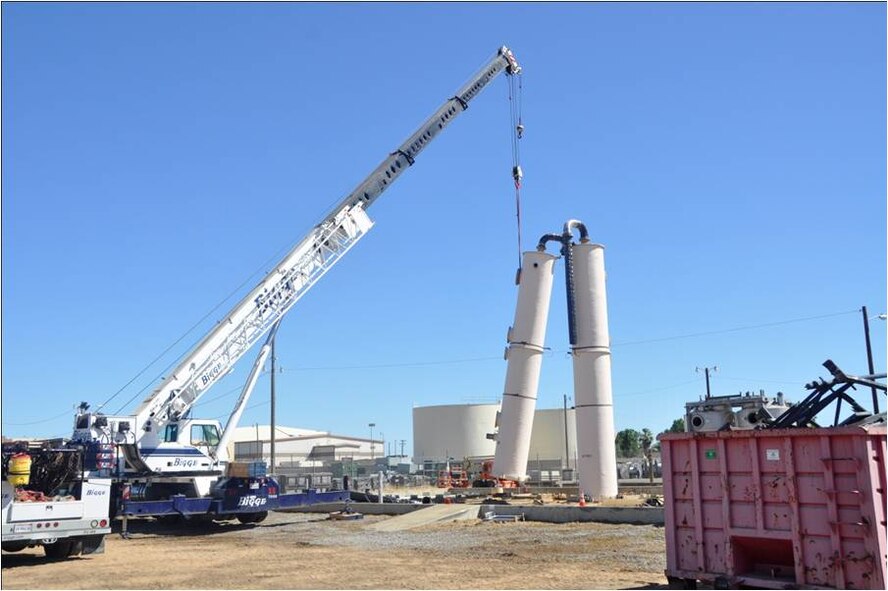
pixel 171 433
pixel 204 435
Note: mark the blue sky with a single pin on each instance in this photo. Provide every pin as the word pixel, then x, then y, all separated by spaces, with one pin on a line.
pixel 730 157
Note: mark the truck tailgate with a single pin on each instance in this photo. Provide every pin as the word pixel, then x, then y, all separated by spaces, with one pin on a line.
pixel 37 511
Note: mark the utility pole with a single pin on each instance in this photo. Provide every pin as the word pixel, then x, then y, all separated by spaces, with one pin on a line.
pixel 869 358
pixel 706 371
pixel 259 453
pixel 403 441
pixel 371 425
pixel 273 463
pixel 566 443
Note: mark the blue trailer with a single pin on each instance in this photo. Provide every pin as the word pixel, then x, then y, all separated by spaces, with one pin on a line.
pixel 246 499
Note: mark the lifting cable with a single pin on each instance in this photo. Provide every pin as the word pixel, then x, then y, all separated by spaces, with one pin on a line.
pixel 516 132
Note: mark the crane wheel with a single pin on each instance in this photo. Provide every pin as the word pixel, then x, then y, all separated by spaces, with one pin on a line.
pixel 252 517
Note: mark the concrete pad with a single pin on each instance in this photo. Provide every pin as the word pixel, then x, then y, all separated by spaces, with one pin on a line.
pixel 571 514
pixel 428 515
pixel 365 508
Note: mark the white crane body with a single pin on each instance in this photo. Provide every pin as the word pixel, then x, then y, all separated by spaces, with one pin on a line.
pixel 160 439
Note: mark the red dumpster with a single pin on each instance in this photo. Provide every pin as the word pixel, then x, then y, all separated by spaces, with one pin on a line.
pixel 782 508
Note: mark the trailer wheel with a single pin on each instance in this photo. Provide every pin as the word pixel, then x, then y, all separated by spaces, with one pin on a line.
pixel 59 550
pixel 252 517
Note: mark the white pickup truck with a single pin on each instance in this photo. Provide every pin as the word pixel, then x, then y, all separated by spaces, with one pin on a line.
pixel 68 517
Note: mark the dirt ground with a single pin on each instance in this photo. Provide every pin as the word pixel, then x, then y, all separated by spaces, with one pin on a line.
pixel 306 551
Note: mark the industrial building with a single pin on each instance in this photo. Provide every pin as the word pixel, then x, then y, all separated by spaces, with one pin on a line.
pixel 307 458
pixel 459 432
pixel 296 447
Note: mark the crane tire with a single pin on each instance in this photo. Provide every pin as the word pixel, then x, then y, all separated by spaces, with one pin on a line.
pixel 252 517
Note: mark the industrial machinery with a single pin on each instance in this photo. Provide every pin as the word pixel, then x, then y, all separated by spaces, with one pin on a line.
pixel 488 478
pixel 740 411
pixel 452 478
pixel 48 501
pixel 161 452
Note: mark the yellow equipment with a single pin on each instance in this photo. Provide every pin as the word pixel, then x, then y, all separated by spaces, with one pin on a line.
pixel 19 470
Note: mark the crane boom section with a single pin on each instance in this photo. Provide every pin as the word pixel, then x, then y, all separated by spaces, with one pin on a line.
pixel 402 158
pixel 273 297
pixel 248 321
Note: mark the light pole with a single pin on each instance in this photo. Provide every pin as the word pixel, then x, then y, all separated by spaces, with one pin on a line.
pixel 272 418
pixel 371 425
pixel 566 440
pixel 869 353
pixel 706 371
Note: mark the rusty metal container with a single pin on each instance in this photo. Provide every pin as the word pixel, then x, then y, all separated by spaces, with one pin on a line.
pixel 776 509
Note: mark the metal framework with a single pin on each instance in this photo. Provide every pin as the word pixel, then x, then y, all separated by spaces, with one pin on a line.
pixel 823 393
pixel 307 263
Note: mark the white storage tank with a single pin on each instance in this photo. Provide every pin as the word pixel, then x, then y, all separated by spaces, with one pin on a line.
pixel 460 430
pixel 453 430
pixel 547 440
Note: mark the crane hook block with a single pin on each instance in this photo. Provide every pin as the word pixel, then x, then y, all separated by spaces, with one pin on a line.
pixel 517 174
pixel 520 131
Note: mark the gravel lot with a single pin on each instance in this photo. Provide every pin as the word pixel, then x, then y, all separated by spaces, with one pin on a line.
pixel 307 551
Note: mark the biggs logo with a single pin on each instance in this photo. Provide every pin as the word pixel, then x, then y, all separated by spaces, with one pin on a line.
pixel 215 371
pixel 251 501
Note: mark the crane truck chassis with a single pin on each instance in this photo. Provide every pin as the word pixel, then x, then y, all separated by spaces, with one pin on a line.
pixel 164 462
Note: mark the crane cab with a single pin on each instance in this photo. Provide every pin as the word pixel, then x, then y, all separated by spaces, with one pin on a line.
pixel 200 434
pixel 185 446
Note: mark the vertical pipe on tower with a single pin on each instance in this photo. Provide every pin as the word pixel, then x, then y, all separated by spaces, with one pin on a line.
pixel 597 463
pixel 524 357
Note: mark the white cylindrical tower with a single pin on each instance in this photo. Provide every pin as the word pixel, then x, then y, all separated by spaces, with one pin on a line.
pixel 524 357
pixel 597 461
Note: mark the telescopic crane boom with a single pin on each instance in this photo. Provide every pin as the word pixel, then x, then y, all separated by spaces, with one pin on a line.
pixel 267 303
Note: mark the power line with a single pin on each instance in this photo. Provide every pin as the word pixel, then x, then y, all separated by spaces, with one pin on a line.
pixel 387 365
pixel 762 381
pixel 58 416
pixel 553 351
pixel 735 329
pixel 660 389
pixel 479 359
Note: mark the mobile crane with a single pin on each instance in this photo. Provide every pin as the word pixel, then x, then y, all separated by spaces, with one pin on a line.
pixel 162 456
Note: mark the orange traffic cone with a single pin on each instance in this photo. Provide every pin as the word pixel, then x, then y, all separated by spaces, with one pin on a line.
pixel 582 499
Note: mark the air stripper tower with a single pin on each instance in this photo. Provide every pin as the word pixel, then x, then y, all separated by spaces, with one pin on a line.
pixel 590 349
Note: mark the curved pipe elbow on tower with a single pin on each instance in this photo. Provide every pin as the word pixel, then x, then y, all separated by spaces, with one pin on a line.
pixel 569 226
pixel 546 238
